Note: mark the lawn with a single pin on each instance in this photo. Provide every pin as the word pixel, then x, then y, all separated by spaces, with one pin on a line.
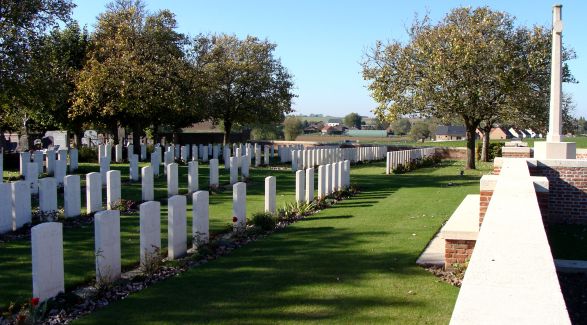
pixel 352 263
pixel 15 256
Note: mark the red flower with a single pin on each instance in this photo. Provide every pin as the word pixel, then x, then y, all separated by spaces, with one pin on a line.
pixel 34 301
pixel 234 219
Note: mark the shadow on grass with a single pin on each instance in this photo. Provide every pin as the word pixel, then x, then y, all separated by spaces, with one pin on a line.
pixel 302 274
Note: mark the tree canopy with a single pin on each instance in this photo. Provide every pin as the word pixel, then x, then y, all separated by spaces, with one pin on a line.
pixel 241 81
pixel 292 127
pixel 353 120
pixel 22 25
pixel 471 65
pixel 136 75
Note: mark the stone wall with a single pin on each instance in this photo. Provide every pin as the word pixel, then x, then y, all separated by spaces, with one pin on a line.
pixel 566 200
pixel 516 152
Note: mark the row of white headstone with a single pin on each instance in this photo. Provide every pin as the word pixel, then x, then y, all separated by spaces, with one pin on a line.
pixel 315 156
pixel 405 157
pixel 47 238
pixel 50 161
pixel 331 178
pixel 193 152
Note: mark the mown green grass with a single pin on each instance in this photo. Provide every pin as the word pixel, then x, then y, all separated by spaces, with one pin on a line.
pixel 353 263
pixel 78 246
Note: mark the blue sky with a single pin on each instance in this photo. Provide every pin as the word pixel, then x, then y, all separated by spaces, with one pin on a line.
pixel 322 42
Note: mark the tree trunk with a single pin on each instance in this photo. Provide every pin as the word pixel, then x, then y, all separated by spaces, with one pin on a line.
pixel 136 140
pixel 227 128
pixel 485 145
pixel 471 128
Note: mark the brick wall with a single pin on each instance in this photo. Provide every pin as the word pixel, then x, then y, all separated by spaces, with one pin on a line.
pixel 457 251
pixel 484 198
pixel 567 197
pixel 516 154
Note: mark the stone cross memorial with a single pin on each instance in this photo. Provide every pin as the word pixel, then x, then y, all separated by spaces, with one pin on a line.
pixel 553 148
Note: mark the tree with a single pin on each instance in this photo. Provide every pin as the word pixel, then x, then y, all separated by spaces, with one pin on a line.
pixel 465 66
pixel 57 60
pixel 22 23
pixel 264 132
pixel 401 126
pixel 241 81
pixel 353 120
pixel 136 75
pixel 292 127
pixel 420 131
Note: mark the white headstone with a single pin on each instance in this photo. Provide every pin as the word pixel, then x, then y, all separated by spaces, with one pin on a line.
pixel 113 189
pixel 334 175
pixel 172 180
pixel 60 171
pixel 194 152
pixel 118 153
pixel 32 177
pixel 143 152
pixel 200 215
pixel 107 245
pixel 93 192
pixel 193 183
pixel 71 196
pixel 233 170
pixel 266 155
pixel 147 191
pixel 270 193
pixel 239 205
pixel 48 195
pixel 300 185
pixel 21 204
pixel 104 168
pixel 133 167
pixel 214 180
pixel 321 181
pixel 150 228
pixel 176 227
pixel 38 159
pixel 47 260
pixel 155 164
pixel 73 159
pixel 5 211
pixel 245 167
pixel 25 158
pixel 309 185
pixel 50 161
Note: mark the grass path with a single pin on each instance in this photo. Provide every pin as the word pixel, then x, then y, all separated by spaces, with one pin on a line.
pixel 353 263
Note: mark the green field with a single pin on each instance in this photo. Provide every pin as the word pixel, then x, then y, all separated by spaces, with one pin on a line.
pixel 405 141
pixel 353 263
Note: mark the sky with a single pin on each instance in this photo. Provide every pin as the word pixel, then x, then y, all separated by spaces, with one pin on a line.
pixel 322 42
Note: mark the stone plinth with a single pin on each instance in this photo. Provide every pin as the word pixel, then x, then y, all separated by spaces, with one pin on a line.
pixel 555 150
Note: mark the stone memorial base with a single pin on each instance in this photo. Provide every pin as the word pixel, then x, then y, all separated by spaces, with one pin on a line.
pixel 555 150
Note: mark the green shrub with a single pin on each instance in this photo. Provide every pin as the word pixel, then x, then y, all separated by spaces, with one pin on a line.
pixel 88 155
pixel 264 220
pixel 493 151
